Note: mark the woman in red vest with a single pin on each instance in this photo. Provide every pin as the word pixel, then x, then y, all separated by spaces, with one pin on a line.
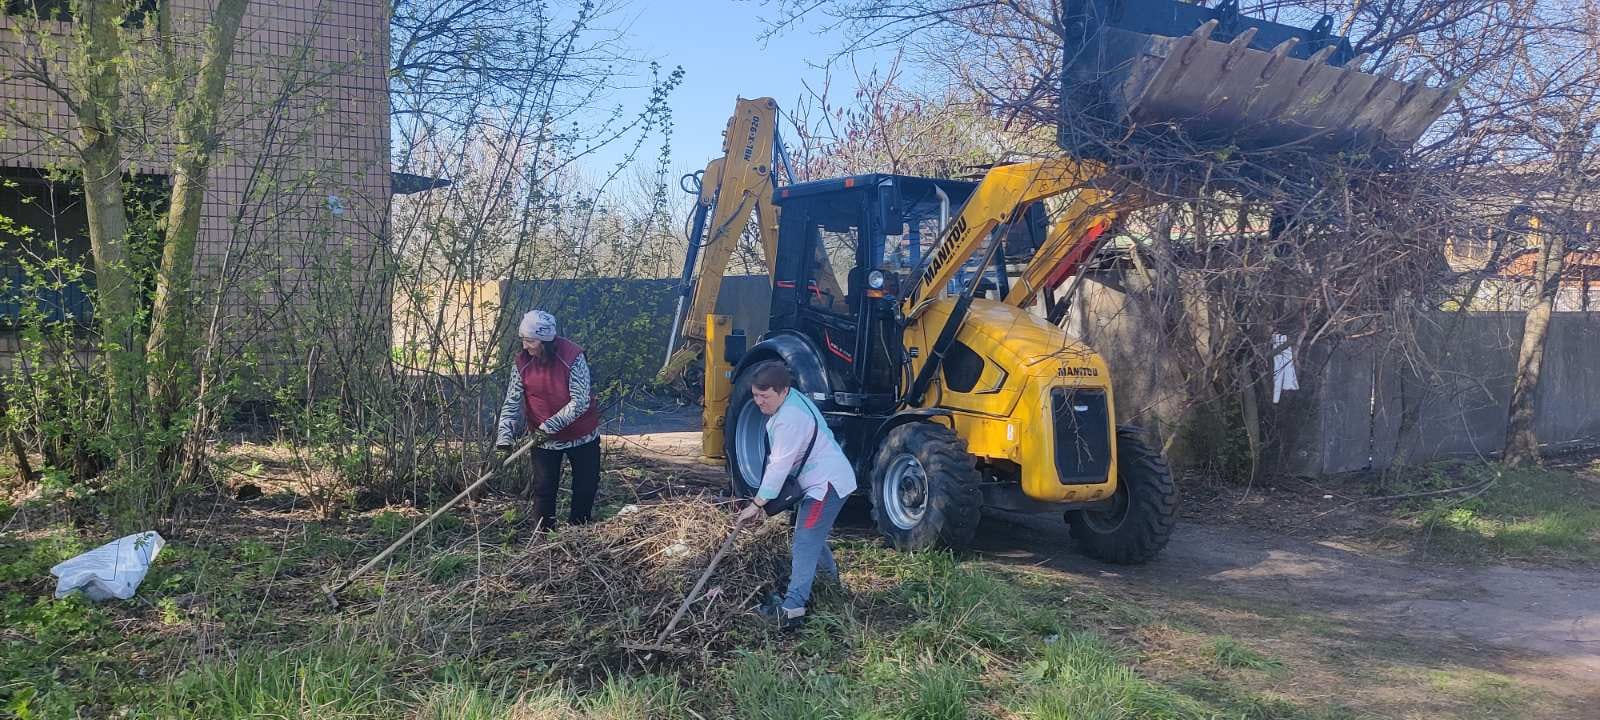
pixel 549 391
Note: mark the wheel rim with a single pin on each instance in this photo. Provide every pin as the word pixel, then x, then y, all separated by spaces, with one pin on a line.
pixel 750 445
pixel 1105 522
pixel 905 491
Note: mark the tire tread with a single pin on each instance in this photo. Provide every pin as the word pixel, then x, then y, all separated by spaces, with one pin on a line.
pixel 956 503
pixel 1153 506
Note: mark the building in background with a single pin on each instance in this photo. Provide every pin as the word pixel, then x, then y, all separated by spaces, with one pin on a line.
pixel 297 206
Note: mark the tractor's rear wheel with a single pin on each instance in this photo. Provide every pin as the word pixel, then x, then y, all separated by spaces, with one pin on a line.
pixel 744 437
pixel 925 488
pixel 1139 521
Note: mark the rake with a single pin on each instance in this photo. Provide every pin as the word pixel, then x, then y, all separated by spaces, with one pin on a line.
pixel 332 591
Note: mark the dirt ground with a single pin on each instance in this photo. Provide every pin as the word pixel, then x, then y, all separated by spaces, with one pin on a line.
pixel 1349 615
pixel 1541 626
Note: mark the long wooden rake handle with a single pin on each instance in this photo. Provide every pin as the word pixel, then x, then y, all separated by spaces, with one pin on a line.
pixel 332 591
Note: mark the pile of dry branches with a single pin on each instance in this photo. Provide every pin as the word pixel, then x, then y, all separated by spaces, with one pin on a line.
pixel 584 594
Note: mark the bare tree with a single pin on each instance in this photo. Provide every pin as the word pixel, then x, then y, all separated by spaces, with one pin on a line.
pixel 1558 75
pixel 511 102
pixel 171 347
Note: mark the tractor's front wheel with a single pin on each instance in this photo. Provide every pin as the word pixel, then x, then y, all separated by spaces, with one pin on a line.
pixel 1139 521
pixel 925 488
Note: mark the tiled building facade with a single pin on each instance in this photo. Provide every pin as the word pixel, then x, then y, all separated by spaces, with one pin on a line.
pixel 298 199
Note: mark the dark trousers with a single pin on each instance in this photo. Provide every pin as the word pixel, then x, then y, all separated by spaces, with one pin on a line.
pixel 585 461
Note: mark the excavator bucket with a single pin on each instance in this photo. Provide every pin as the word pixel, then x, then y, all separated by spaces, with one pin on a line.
pixel 1151 66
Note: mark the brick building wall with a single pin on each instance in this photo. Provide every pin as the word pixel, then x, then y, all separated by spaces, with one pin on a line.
pixel 297 206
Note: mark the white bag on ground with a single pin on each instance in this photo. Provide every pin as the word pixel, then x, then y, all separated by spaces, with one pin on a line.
pixel 113 570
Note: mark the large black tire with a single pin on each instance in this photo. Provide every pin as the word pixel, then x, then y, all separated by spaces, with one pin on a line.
pixel 938 509
pixel 744 437
pixel 1144 511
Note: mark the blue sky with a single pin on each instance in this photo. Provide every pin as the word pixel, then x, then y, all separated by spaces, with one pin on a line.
pixel 718 44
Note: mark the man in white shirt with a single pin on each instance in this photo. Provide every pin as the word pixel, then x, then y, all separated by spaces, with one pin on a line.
pixel 825 476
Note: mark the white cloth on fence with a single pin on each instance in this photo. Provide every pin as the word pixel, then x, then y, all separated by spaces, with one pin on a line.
pixel 1283 376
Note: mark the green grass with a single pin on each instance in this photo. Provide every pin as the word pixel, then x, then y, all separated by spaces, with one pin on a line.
pixel 955 608
pixel 449 566
pixel 465 701
pixel 1531 514
pixel 31 560
pixel 49 645
pixel 1081 677
pixel 390 524
pixel 53 650
pixel 762 688
pixel 940 692
pixel 337 681
pixel 648 696
pixel 1487 694
pixel 929 636
pixel 1229 653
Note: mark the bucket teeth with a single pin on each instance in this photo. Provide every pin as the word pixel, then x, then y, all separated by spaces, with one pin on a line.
pixel 1161 64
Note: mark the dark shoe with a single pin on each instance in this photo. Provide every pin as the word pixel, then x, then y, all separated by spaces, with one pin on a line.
pixel 785 618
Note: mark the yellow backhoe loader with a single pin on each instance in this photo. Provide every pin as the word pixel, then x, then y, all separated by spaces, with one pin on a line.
pixel 897 305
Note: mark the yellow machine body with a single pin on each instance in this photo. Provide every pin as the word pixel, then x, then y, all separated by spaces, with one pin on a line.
pixel 1007 415
pixel 718 388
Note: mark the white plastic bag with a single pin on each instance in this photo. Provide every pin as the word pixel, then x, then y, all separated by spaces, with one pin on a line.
pixel 113 570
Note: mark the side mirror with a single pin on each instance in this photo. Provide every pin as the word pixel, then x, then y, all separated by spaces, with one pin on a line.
pixel 891 218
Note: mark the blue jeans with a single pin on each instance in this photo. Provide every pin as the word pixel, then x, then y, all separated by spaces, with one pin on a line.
pixel 810 551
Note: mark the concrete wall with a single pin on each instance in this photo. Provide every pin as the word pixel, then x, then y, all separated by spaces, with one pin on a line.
pixel 1458 380
pixel 1145 376
pixel 1456 377
pixel 448 327
pixel 623 324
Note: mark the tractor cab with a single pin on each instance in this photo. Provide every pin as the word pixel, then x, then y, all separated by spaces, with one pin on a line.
pixel 846 246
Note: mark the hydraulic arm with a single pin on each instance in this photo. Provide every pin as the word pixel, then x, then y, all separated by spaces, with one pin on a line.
pixel 731 187
pixel 1001 197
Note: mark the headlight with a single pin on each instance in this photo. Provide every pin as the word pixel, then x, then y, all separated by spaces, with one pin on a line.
pixel 875 279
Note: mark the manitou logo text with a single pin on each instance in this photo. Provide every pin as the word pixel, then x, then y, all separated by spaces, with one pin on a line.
pixel 941 256
pixel 1078 372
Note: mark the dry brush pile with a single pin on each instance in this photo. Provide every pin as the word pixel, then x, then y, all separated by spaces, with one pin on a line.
pixel 579 601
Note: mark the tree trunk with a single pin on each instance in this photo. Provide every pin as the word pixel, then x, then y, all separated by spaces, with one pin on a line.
pixel 171 342
pixel 19 451
pixel 94 65
pixel 1522 445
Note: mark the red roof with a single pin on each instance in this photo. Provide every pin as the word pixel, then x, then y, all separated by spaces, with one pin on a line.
pixel 1579 265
